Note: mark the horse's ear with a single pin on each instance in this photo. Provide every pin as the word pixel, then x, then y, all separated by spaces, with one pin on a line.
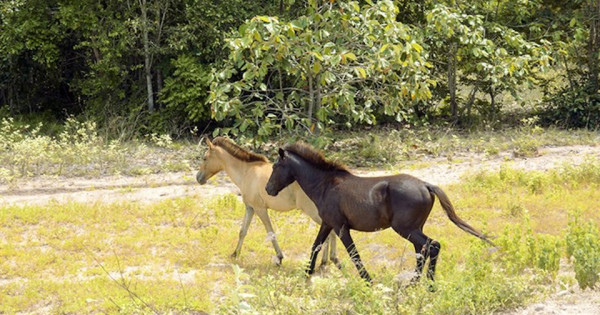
pixel 281 153
pixel 210 145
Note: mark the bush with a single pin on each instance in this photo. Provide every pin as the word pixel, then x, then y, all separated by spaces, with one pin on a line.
pixel 583 244
pixel 79 150
pixel 573 108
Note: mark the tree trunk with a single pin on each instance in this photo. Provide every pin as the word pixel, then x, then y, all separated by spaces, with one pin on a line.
pixel 452 81
pixel 311 95
pixel 316 129
pixel 594 43
pixel 159 84
pixel 471 101
pixel 147 61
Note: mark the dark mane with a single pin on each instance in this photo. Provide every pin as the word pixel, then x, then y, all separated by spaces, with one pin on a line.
pixel 314 157
pixel 237 151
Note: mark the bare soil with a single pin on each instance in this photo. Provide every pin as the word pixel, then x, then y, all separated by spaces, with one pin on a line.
pixel 440 171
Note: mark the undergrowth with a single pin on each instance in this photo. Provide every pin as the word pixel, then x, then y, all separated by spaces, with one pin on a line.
pixel 174 256
pixel 78 150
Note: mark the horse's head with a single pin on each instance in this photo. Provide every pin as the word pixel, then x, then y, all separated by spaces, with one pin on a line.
pixel 211 164
pixel 281 176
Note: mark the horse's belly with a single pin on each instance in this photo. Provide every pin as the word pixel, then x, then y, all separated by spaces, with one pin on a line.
pixel 368 226
pixel 368 220
pixel 365 212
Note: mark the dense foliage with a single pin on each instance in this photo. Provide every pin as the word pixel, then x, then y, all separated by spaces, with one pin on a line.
pixel 266 66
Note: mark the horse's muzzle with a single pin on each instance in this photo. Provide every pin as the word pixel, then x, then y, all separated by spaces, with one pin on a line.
pixel 271 190
pixel 201 178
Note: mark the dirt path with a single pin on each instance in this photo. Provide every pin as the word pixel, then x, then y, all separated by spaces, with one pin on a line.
pixel 156 187
pixel 440 171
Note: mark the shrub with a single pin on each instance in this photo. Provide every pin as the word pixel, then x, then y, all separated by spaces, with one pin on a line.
pixel 583 244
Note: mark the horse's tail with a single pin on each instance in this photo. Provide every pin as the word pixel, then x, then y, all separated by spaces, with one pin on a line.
pixel 447 205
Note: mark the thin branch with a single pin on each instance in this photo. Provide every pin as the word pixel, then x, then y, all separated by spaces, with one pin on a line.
pixel 123 283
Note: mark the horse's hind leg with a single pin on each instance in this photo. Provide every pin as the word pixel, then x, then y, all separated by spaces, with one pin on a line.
pixel 264 217
pixel 325 256
pixel 344 235
pixel 433 250
pixel 420 241
pixel 425 248
pixel 244 230
pixel 329 250
pixel 333 250
pixel 316 248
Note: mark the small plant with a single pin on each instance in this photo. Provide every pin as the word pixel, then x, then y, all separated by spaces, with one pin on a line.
pixel 237 300
pixel 161 141
pixel 547 253
pixel 583 244
pixel 525 146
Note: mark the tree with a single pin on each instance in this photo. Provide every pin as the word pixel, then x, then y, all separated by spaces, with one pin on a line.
pixel 198 42
pixel 339 64
pixel 571 94
pixel 477 52
pixel 35 59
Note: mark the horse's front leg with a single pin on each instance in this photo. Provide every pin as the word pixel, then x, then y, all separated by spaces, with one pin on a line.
pixel 264 217
pixel 244 230
pixel 321 236
pixel 344 235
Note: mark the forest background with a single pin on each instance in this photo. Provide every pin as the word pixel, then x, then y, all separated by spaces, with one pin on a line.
pixel 254 69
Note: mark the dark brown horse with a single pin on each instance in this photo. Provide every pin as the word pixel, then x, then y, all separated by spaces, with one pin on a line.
pixel 368 204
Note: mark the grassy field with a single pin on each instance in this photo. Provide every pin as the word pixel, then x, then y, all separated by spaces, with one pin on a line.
pixel 174 256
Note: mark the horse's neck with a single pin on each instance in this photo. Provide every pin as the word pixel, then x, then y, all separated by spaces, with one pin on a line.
pixel 311 179
pixel 235 168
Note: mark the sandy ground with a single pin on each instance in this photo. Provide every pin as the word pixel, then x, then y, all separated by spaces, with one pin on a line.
pixel 439 171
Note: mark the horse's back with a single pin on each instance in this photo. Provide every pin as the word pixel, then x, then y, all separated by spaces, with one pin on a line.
pixel 371 203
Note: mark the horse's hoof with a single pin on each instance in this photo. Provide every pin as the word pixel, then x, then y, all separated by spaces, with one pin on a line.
pixel 277 260
pixel 235 255
pixel 337 263
pixel 431 287
pixel 414 280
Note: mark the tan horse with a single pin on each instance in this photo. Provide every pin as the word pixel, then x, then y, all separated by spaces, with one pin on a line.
pixel 250 172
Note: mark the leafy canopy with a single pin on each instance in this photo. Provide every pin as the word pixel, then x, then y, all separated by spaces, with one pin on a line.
pixel 339 64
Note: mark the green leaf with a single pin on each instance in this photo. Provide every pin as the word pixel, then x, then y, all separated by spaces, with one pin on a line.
pixel 416 47
pixel 350 56
pixel 317 55
pixel 361 72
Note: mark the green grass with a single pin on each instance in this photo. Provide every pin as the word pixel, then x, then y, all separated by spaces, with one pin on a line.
pixel 174 256
pixel 387 147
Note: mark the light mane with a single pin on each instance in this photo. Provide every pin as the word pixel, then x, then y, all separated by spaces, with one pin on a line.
pixel 314 157
pixel 237 151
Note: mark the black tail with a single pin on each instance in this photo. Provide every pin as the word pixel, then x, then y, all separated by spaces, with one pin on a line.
pixel 445 202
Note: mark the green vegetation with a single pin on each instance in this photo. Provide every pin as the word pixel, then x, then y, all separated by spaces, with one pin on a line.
pixel 298 67
pixel 173 256
pixel 79 150
pixel 92 88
